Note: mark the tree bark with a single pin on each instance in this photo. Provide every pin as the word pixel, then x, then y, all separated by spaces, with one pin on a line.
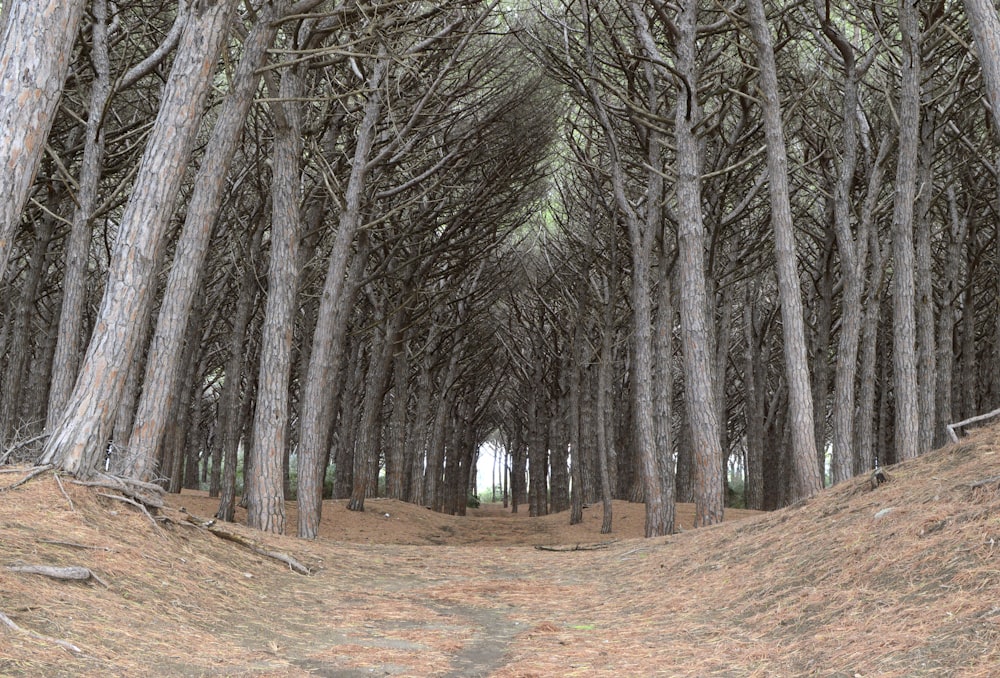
pixel 67 356
pixel 35 51
pixel 159 386
pixel 265 480
pixel 325 357
pixel 807 478
pixel 82 433
pixel 907 418
pixel 699 390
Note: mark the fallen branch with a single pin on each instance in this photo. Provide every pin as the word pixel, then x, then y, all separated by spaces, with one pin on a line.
pixel 246 542
pixel 71 573
pixel 577 547
pixel 73 544
pixel 63 490
pixel 146 493
pixel 983 483
pixel 137 504
pixel 38 636
pixel 965 422
pixel 37 471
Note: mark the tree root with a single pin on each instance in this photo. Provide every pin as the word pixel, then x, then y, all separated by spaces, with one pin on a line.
pixel 246 542
pixel 7 621
pixel 147 494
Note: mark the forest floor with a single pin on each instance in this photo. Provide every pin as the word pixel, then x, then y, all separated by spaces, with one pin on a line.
pixel 898 580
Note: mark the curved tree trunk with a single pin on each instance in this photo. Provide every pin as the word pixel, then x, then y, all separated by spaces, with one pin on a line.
pixel 35 51
pixel 79 440
pixel 159 387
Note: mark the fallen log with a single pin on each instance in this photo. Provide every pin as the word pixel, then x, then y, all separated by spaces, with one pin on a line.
pixel 71 573
pixel 577 547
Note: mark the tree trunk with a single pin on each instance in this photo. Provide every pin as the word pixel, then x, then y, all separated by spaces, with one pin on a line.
pixel 807 477
pixel 265 481
pixel 985 26
pixel 35 52
pixel 904 351
pixel 230 421
pixel 162 368
pixel 82 433
pixel 699 390
pixel 67 356
pixel 366 452
pixel 325 357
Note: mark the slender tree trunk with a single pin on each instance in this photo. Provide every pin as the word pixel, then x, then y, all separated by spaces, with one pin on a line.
pixel 67 356
pixel 230 421
pixel 924 288
pixel 907 415
pixel 19 348
pixel 82 433
pixel 574 426
pixel 366 453
pixel 162 368
pixel 699 390
pixel 35 51
pixel 325 357
pixel 807 477
pixel 265 481
pixel 853 258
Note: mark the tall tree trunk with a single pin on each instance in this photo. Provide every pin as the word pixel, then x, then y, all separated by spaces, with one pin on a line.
pixel 904 350
pixel 366 452
pixel 574 426
pixel 807 477
pixel 325 357
pixel 35 51
pixel 162 368
pixel 853 258
pixel 82 433
pixel 19 347
pixel 699 390
pixel 923 286
pixel 230 421
pixel 67 356
pixel 265 481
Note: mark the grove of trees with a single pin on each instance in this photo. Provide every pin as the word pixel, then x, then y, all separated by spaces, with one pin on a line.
pixel 661 251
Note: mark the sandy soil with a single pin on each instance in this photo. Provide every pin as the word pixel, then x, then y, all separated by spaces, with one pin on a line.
pixel 902 580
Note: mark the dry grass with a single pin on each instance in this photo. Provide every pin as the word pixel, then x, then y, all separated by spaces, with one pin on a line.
pixel 903 580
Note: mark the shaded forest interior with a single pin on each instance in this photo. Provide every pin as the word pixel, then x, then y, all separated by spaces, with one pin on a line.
pixel 682 252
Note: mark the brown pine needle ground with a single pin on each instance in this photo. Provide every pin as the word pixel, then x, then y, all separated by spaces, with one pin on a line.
pixel 903 580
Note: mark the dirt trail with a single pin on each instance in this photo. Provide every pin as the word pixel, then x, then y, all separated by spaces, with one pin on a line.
pixel 900 580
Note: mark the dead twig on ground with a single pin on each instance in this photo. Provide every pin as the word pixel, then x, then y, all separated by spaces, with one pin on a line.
pixel 73 544
pixel 38 636
pixel 71 573
pixel 36 471
pixel 138 505
pixel 63 490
